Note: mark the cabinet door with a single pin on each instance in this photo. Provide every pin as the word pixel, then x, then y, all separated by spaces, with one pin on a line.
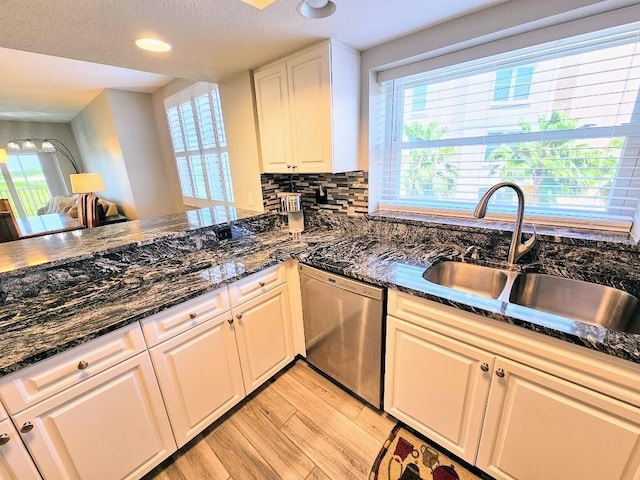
pixel 539 427
pixel 310 107
pixel 437 385
pixel 199 375
pixel 15 462
pixel 263 331
pixel 111 426
pixel 272 104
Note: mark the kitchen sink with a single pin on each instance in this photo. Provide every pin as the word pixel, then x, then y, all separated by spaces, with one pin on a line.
pixel 484 281
pixel 584 301
pixel 574 299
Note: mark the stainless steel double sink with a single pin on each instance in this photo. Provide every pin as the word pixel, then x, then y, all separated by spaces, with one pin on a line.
pixel 574 299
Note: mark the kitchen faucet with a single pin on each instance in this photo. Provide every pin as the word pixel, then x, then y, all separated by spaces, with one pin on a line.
pixel 517 249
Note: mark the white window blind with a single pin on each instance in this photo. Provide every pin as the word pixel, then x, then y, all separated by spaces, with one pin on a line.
pixel 560 119
pixel 199 144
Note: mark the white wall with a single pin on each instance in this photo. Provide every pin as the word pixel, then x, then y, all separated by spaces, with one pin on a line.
pixel 133 117
pixel 97 137
pixel 10 130
pixel 236 94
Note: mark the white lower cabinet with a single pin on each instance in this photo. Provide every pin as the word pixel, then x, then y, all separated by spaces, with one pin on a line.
pixel 110 409
pixel 111 426
pixel 265 340
pixel 448 376
pixel 199 375
pixel 207 369
pixel 437 385
pixel 15 462
pixel 539 427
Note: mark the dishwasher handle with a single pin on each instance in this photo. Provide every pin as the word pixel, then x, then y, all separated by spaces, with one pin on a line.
pixel 338 281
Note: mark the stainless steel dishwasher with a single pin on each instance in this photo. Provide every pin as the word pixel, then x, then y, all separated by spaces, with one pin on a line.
pixel 343 330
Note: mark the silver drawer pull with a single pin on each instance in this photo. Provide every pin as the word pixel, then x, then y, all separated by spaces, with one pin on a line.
pixel 484 367
pixel 4 438
pixel 193 315
pixel 239 316
pixel 262 284
pixel 82 365
pixel 26 427
pixel 230 320
pixel 500 373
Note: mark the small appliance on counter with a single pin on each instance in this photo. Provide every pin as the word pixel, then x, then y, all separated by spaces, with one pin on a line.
pixel 291 204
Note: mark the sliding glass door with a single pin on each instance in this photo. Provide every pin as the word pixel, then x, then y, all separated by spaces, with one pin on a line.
pixel 29 180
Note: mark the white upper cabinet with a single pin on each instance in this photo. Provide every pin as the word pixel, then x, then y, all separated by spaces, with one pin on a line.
pixel 308 111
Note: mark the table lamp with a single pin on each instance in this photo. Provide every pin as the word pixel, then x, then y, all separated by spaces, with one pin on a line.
pixel 85 184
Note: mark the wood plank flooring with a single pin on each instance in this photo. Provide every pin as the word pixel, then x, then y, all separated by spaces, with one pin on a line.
pixel 301 426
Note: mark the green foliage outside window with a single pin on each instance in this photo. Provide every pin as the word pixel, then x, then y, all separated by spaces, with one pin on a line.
pixel 427 172
pixel 559 168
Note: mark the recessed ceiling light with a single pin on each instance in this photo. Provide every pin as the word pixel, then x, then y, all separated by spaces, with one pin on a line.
pixel 316 8
pixel 152 44
pixel 260 4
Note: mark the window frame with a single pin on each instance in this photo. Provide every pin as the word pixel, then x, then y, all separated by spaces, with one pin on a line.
pixel 629 158
pixel 222 175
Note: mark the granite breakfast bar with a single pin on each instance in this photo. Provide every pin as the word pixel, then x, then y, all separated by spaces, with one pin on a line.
pixel 77 293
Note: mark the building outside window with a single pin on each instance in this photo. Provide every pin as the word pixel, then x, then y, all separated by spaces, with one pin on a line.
pixel 196 125
pixel 513 84
pixel 569 137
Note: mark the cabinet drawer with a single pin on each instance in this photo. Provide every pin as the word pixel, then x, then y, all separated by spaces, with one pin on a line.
pixel 33 384
pixel 168 323
pixel 113 426
pixel 3 413
pixel 256 284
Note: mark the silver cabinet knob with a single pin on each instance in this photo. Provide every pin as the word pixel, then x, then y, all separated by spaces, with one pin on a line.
pixel 26 427
pixel 484 367
pixel 239 316
pixel 262 284
pixel 230 320
pixel 4 438
pixel 500 372
pixel 193 315
pixel 82 365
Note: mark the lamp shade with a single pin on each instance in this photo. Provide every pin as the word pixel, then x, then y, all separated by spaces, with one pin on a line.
pixel 3 156
pixel 86 182
pixel 28 146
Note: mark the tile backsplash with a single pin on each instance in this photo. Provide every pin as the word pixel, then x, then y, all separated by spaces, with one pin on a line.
pixel 347 193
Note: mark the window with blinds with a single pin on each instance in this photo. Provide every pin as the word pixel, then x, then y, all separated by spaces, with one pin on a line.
pixel 560 119
pixel 199 144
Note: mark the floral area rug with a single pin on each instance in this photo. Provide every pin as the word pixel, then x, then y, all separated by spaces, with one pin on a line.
pixel 405 456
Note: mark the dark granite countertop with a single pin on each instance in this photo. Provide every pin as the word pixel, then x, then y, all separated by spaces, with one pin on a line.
pixel 78 244
pixel 55 307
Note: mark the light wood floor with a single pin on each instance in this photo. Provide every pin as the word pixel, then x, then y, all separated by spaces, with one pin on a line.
pixel 301 426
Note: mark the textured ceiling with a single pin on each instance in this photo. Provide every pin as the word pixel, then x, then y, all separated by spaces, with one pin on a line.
pixel 212 39
pixel 43 88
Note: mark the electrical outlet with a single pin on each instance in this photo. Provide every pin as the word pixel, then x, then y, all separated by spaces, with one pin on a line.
pixel 250 199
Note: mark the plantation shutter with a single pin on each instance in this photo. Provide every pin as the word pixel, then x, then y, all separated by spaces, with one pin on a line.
pixel 194 116
pixel 561 119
